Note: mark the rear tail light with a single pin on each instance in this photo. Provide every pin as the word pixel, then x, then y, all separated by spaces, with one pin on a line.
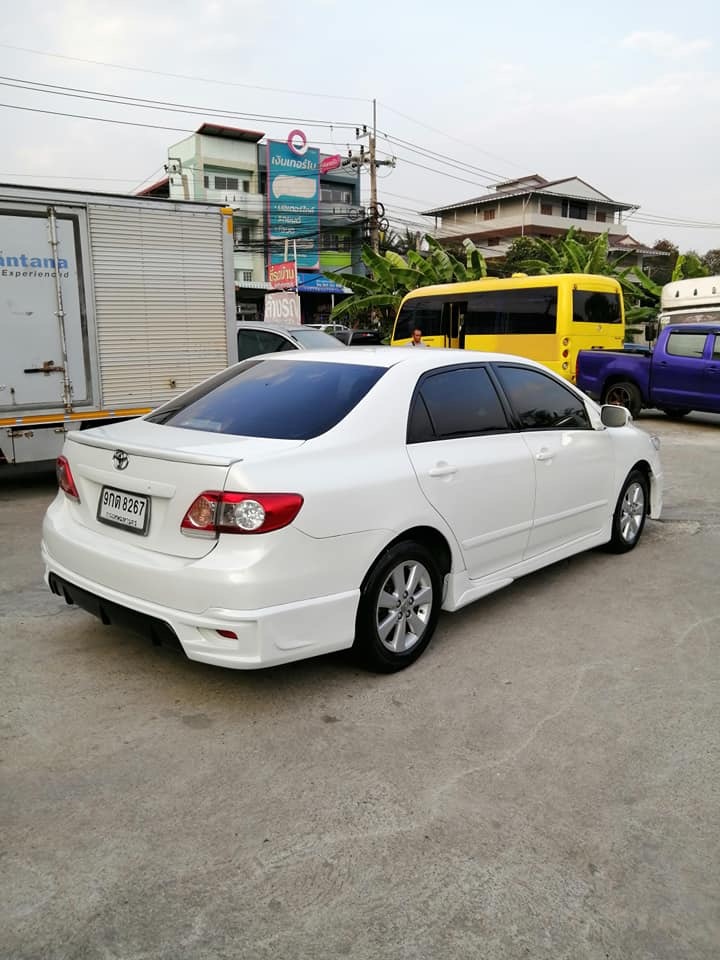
pixel 216 511
pixel 65 479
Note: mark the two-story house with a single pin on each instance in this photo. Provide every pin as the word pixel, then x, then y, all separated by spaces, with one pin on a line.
pixel 532 206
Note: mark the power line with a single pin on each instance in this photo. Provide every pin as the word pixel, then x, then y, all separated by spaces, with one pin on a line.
pixel 181 76
pixel 443 173
pixel 166 106
pixel 434 155
pixel 449 136
pixel 122 123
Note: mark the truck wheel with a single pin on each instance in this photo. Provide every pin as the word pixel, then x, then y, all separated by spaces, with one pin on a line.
pixel 629 517
pixel 399 608
pixel 674 413
pixel 624 395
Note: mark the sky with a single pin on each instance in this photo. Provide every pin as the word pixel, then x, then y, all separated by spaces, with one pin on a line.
pixel 624 95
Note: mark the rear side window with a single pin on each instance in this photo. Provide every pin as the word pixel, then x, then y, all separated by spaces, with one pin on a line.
pixel 540 402
pixel 456 403
pixel 686 345
pixel 278 398
pixel 533 310
pixel 592 306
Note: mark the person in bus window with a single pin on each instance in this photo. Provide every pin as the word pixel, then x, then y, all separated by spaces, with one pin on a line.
pixel 417 339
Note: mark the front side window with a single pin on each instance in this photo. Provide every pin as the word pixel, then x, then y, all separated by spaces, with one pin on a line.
pixel 686 345
pixel 424 313
pixel 274 398
pixel 540 402
pixel 716 347
pixel 593 306
pixel 254 342
pixel 458 402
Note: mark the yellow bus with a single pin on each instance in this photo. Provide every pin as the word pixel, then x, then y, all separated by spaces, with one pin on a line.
pixel 545 318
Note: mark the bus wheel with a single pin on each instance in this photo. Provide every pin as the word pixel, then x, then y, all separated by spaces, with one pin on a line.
pixel 624 395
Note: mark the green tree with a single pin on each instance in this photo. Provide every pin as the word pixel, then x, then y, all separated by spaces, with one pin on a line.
pixel 711 262
pixel 392 276
pixel 660 268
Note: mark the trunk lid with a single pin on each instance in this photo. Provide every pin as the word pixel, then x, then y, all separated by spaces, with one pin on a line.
pixel 136 480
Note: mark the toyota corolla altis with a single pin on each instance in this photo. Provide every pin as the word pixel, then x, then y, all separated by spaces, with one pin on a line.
pixel 301 503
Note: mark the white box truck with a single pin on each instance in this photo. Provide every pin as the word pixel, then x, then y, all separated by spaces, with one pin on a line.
pixel 109 306
pixel 690 301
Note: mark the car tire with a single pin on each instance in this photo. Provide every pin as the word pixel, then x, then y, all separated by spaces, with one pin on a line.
pixel 399 608
pixel 674 413
pixel 629 517
pixel 624 394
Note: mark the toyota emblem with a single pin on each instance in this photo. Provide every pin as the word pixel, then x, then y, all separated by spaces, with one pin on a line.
pixel 120 459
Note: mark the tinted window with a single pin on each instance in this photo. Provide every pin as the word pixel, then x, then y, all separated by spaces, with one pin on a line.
pixel 272 398
pixel 686 344
pixel 251 343
pixel 315 339
pixel 716 348
pixel 512 311
pixel 540 402
pixel 596 307
pixel 459 402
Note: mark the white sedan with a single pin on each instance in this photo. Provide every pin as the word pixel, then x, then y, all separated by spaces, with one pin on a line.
pixel 304 502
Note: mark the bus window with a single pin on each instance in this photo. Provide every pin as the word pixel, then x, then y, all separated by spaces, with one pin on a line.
pixel 532 310
pixel 596 307
pixel 424 314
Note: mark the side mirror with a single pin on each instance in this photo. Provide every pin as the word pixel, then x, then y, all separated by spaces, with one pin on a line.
pixel 651 331
pixel 614 416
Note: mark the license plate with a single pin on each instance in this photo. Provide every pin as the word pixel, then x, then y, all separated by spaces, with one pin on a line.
pixel 131 511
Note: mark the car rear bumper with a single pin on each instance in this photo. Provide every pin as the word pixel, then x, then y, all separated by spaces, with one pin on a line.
pixel 263 637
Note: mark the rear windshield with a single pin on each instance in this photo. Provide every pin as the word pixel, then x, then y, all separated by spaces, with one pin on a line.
pixel 279 399
pixel 315 339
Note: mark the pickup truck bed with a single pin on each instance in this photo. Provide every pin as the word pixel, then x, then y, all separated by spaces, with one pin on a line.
pixel 681 374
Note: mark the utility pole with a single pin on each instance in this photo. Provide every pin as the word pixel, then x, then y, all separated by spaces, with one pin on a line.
pixel 377 211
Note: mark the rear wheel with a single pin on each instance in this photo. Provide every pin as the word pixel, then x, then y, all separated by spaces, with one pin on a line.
pixel 675 413
pixel 629 517
pixel 399 608
pixel 624 394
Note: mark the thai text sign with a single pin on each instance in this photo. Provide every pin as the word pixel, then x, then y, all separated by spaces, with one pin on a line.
pixel 282 308
pixel 293 200
pixel 282 274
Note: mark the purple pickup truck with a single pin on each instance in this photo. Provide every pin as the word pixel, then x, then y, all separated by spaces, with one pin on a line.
pixel 681 374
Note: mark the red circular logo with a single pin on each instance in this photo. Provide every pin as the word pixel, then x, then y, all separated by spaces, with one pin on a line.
pixel 297 141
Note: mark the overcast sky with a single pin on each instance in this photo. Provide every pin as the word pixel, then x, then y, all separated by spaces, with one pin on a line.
pixel 624 95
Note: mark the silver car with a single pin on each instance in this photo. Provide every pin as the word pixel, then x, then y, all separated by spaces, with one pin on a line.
pixel 256 338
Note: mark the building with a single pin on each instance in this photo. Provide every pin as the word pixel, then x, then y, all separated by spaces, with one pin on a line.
pixel 532 206
pixel 322 215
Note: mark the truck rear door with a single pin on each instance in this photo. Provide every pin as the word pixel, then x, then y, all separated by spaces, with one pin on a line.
pixel 680 372
pixel 43 359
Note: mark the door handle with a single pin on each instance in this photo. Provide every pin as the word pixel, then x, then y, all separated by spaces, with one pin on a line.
pixel 442 469
pixel 544 454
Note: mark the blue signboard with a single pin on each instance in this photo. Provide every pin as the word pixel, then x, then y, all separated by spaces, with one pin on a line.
pixel 317 283
pixel 293 190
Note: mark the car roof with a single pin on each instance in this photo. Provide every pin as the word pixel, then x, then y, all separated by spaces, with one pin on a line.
pixel 377 356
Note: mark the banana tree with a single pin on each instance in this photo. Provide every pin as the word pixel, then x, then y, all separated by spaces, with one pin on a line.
pixel 392 276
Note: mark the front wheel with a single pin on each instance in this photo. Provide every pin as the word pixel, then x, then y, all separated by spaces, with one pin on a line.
pixel 399 608
pixel 624 395
pixel 629 517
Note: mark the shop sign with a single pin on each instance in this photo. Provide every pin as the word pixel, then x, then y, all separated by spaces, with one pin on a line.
pixel 282 274
pixel 293 200
pixel 282 308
